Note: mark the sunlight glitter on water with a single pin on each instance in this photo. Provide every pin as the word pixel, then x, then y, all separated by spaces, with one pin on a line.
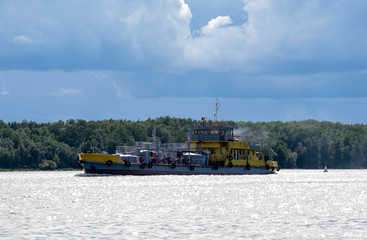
pixel 294 204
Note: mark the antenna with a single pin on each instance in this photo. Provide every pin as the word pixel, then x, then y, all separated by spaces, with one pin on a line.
pixel 216 112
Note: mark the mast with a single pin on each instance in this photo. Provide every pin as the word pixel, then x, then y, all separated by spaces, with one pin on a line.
pixel 216 113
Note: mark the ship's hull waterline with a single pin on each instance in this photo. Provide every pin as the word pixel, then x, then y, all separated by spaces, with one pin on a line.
pixel 165 169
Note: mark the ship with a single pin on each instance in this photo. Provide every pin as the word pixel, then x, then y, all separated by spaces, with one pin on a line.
pixel 211 149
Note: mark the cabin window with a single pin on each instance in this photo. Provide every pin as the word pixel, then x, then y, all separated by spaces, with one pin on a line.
pixel 212 151
pixel 221 151
pixel 235 154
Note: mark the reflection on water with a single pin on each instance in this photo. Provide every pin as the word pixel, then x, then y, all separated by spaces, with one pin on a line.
pixel 294 204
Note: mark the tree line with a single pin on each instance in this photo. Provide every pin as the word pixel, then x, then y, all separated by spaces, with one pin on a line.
pixel 299 144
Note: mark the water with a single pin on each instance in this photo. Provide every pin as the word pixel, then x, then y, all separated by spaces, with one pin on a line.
pixel 294 204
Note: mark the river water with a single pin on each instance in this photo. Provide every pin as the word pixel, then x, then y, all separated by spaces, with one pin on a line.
pixel 293 204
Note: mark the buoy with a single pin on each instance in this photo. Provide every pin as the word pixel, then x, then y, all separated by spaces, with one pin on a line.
pixel 142 166
pixel 127 163
pixel 150 165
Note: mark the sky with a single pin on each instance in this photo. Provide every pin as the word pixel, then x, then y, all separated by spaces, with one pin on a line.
pixel 265 60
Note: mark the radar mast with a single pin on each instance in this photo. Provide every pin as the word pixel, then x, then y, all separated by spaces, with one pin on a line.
pixel 216 113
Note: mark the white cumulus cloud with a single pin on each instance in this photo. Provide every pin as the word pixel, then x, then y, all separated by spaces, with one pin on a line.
pixel 156 35
pixel 220 21
pixel 282 36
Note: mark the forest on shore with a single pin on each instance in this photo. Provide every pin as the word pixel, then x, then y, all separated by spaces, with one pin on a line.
pixel 305 144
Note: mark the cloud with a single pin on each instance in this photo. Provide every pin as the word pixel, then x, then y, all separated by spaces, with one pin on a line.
pixel 275 36
pixel 4 92
pixel 335 97
pixel 235 84
pixel 122 92
pixel 220 21
pixel 21 39
pixel 99 75
pixel 283 37
pixel 66 92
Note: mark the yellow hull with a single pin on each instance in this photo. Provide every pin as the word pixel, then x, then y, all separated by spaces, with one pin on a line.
pixel 112 164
